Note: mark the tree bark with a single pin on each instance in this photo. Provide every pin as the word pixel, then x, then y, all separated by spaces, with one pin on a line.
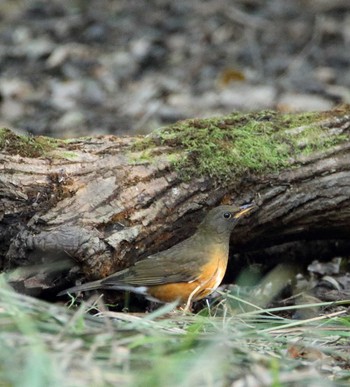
pixel 99 205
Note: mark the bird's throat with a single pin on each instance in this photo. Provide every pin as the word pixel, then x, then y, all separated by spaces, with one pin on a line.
pixel 213 238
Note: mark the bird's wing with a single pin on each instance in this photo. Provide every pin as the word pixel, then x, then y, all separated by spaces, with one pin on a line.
pixel 177 264
pixel 158 269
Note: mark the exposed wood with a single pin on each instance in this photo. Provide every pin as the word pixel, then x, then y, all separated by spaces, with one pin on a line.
pixel 88 202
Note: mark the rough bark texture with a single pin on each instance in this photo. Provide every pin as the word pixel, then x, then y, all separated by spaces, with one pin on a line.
pixel 88 202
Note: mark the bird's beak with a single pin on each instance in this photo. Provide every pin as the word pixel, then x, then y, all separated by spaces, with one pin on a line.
pixel 244 210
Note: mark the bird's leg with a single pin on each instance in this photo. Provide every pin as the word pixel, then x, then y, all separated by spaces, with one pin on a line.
pixel 188 305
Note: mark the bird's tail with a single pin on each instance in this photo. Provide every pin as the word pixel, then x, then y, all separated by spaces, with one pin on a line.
pixel 84 287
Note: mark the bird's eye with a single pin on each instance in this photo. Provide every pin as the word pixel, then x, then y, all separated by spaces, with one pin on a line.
pixel 227 215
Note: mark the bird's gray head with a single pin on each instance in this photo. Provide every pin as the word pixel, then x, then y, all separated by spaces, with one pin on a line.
pixel 222 220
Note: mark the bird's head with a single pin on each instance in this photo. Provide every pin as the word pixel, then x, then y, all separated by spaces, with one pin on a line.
pixel 222 220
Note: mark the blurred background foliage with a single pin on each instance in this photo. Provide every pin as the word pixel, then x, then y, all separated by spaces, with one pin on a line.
pixel 129 66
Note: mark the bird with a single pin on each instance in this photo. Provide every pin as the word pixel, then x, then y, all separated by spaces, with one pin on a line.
pixel 186 272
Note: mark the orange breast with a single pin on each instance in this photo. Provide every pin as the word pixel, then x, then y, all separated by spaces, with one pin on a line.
pixel 209 279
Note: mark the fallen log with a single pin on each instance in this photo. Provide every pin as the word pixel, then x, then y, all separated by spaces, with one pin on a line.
pixel 90 206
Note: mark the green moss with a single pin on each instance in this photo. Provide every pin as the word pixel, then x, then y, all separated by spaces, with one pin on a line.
pixel 316 139
pixel 68 155
pixel 144 156
pixel 292 120
pixel 26 146
pixel 225 147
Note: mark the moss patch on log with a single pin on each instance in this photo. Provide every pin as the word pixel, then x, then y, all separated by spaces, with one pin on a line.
pixel 35 146
pixel 25 146
pixel 229 146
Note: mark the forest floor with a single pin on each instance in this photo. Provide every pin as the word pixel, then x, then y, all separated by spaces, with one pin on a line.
pixel 125 67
